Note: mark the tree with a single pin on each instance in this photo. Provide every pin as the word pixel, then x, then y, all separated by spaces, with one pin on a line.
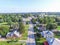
pixel 33 21
pixel 1 19
pixel 9 23
pixel 51 26
pixel 4 30
pixel 21 27
pixel 40 20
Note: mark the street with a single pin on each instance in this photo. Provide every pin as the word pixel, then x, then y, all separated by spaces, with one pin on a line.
pixel 31 38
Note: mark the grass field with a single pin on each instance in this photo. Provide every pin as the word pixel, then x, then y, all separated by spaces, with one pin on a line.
pixel 11 43
pixel 57 36
pixel 58 28
pixel 40 41
pixel 3 23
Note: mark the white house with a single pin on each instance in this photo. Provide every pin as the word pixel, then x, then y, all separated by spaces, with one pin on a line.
pixel 0 36
pixel 56 42
pixel 12 34
pixel 50 38
pixel 53 41
pixel 47 34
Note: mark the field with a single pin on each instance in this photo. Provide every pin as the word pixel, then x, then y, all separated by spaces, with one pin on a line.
pixel 58 28
pixel 40 41
pixel 11 43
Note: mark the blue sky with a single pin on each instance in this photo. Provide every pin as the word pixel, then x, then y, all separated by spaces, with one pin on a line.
pixel 12 6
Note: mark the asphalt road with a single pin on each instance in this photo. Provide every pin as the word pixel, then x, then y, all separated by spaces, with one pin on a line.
pixel 31 38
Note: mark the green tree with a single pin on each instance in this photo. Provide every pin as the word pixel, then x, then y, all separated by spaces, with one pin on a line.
pixel 33 21
pixel 4 30
pixel 1 19
pixel 21 27
pixel 51 26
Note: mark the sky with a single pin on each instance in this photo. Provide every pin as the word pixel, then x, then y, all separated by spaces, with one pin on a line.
pixel 18 6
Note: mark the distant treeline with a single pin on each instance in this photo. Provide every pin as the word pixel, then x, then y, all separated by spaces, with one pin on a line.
pixel 34 13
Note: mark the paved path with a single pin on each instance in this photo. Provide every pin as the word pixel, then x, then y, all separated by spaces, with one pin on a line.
pixel 31 38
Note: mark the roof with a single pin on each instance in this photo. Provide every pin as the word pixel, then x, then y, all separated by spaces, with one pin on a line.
pixel 56 42
pixel 50 40
pixel 9 34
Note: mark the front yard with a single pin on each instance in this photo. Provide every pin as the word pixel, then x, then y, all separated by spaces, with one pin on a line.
pixel 40 41
pixel 58 28
pixel 11 43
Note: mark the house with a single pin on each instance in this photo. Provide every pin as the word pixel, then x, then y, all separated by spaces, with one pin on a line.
pixel 37 22
pixel 50 40
pixel 13 34
pixel 47 34
pixel 54 41
pixel 42 28
pixel 0 36
pixel 24 20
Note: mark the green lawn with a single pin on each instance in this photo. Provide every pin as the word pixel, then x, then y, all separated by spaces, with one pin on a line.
pixel 24 35
pixel 57 36
pixel 58 28
pixel 39 41
pixel 11 43
pixel 3 23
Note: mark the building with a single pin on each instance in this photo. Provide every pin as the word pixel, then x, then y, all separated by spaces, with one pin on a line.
pixel 47 34
pixel 50 38
pixel 56 42
pixel 0 36
pixel 14 33
pixel 42 28
pixel 53 41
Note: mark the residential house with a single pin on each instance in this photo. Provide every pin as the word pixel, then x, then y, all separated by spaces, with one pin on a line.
pixel 42 28
pixel 50 38
pixel 14 33
pixel 47 34
pixel 53 41
pixel 56 42
pixel 0 36
pixel 24 20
